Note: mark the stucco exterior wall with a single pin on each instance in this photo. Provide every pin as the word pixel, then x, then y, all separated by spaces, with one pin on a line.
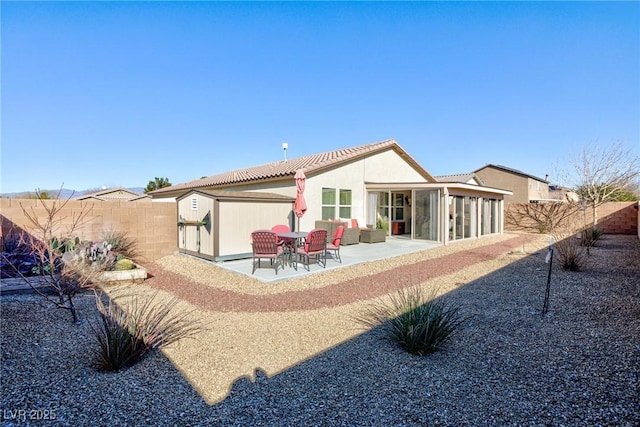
pixel 387 166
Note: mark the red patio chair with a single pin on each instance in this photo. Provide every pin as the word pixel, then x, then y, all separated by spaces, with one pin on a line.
pixel 265 245
pixel 315 245
pixel 282 228
pixel 334 245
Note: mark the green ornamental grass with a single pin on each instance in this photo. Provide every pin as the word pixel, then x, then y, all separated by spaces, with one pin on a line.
pixel 127 334
pixel 419 323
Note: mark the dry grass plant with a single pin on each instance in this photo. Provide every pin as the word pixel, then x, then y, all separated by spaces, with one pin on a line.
pixel 571 252
pixel 131 327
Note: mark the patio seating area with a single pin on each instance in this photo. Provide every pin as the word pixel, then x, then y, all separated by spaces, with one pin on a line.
pixel 349 255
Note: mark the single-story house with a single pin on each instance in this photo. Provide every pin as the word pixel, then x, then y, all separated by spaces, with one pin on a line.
pixel 378 184
pixel 114 194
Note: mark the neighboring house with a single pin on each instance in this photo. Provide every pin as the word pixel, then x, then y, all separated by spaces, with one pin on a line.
pixel 114 194
pixel 563 194
pixel 378 184
pixel 467 178
pixel 525 188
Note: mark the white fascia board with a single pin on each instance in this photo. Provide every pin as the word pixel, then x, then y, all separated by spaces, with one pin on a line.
pixel 434 185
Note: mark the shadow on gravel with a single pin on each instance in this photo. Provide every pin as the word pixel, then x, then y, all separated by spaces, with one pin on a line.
pixel 578 365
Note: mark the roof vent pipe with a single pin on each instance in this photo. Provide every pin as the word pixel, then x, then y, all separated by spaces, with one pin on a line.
pixel 284 148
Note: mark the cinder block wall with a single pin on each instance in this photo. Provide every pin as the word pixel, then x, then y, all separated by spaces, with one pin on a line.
pixel 613 218
pixel 152 225
pixel 618 218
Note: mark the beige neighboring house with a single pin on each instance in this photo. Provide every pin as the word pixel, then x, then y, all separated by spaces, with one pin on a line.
pixel 114 194
pixel 563 194
pixel 525 188
pixel 378 184
pixel 467 178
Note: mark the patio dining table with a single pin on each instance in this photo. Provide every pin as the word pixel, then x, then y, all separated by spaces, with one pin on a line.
pixel 297 237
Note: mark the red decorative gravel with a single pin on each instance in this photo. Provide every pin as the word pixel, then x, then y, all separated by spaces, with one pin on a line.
pixel 349 291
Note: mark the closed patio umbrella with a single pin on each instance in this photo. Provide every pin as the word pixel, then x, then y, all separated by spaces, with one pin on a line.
pixel 300 206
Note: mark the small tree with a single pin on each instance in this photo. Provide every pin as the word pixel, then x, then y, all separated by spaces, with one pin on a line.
pixel 601 174
pixel 48 241
pixel 540 217
pixel 156 184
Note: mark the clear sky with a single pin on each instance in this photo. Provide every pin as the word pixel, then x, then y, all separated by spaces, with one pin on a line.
pixel 116 93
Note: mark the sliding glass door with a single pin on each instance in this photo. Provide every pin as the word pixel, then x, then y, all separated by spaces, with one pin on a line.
pixel 426 219
pixel 462 217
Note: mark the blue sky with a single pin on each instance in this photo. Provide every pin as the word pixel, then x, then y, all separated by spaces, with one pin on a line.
pixel 116 93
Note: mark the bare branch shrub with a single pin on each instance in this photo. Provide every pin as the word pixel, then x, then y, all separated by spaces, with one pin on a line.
pixel 601 173
pixel 540 217
pixel 570 249
pixel 46 240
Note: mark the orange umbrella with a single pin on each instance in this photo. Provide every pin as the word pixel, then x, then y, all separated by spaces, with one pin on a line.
pixel 300 206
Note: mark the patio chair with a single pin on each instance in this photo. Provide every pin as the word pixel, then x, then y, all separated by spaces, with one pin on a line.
pixel 265 245
pixel 334 245
pixel 314 245
pixel 282 228
pixel 287 243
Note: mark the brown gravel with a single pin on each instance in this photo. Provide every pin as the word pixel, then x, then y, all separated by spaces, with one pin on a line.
pixel 308 362
pixel 281 327
pixel 212 288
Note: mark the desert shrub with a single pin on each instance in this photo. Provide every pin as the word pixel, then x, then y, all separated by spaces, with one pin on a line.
pixel 127 334
pixel 121 244
pixel 419 323
pixel 571 252
pixel 590 237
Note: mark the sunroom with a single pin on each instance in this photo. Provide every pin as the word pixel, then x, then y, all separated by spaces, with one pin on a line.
pixel 439 212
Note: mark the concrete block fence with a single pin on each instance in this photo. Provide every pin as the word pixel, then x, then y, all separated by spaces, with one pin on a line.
pixel 613 218
pixel 152 225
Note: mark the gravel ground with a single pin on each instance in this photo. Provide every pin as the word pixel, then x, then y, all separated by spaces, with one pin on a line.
pixel 286 363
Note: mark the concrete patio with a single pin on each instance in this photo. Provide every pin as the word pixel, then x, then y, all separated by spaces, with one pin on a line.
pixel 350 255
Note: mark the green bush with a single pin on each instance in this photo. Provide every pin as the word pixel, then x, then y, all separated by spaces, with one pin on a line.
pixel 124 264
pixel 127 334
pixel 421 324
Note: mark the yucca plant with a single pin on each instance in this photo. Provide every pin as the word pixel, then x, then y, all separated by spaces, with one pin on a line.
pixel 420 323
pixel 128 333
pixel 121 244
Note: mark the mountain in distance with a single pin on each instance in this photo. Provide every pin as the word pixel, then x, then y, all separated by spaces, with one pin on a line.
pixel 65 193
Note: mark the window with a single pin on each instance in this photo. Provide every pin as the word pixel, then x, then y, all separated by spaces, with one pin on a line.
pixel 345 204
pixel 332 199
pixel 398 207
pixel 194 203
pixel 328 203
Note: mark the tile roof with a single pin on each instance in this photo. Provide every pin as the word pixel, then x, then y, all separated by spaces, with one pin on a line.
pixel 287 169
pixel 460 177
pixel 510 170
pixel 248 195
pixel 117 193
